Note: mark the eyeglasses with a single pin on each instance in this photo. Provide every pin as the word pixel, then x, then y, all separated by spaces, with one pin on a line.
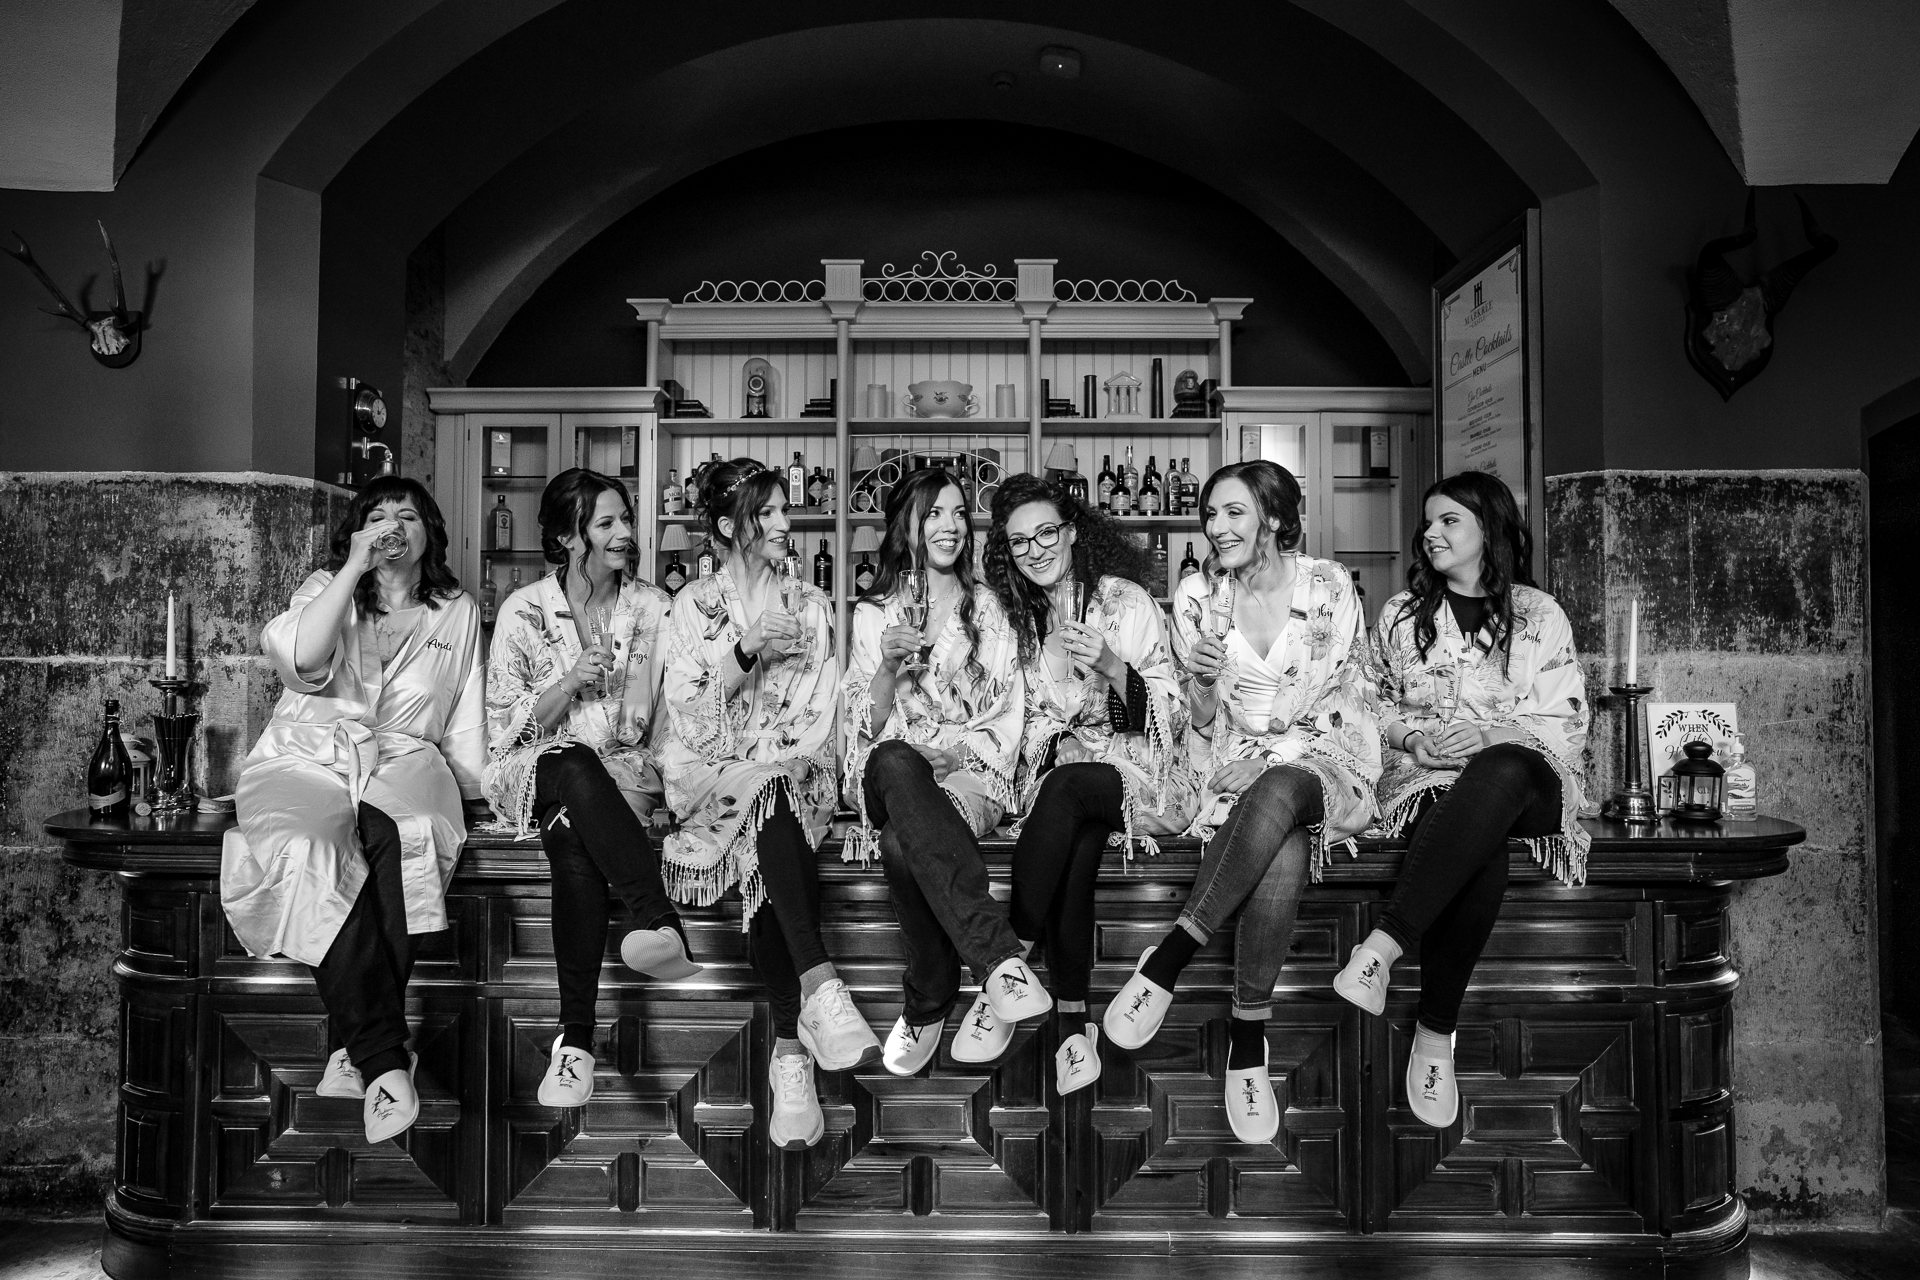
pixel 1045 536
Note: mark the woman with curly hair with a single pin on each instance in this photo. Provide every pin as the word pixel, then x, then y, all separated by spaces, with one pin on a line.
pixel 932 732
pixel 1104 750
pixel 349 808
pixel 1274 651
pixel 573 691
pixel 1485 716
pixel 752 693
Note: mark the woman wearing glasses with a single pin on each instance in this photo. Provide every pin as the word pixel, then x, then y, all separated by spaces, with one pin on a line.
pixel 1104 753
pixel 573 690
pixel 752 692
pixel 934 703
pixel 1274 651
pixel 1485 715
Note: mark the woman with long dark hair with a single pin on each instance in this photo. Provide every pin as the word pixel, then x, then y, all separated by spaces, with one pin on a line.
pixel 932 731
pixel 752 693
pixel 1104 754
pixel 1484 711
pixel 349 808
pixel 573 692
pixel 1274 652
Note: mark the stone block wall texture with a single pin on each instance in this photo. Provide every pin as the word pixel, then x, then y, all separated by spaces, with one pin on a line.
pixel 1752 591
pixel 86 561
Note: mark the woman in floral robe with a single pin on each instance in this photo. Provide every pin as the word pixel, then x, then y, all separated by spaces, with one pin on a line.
pixel 1284 736
pixel 1484 711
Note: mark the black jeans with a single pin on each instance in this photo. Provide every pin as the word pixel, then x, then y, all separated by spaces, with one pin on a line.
pixel 1056 865
pixel 363 980
pixel 1455 875
pixel 939 882
pixel 594 843
pixel 1257 865
pixel 783 939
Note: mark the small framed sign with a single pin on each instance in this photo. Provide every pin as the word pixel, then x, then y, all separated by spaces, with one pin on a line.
pixel 1672 725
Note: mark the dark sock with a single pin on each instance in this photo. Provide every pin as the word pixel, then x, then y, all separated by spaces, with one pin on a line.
pixel 1170 957
pixel 1246 1043
pixel 577 1035
pixel 671 920
pixel 381 1063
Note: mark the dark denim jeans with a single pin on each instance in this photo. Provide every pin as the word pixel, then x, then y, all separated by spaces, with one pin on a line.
pixel 363 980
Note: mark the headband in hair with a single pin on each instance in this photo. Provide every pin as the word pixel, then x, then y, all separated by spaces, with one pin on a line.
pixel 747 473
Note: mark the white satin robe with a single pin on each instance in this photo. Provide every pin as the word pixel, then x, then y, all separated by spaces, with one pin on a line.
pixel 409 739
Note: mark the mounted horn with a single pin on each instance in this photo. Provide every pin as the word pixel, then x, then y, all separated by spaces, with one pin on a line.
pixel 1729 337
pixel 115 332
pixel 1715 284
pixel 24 255
pixel 1778 284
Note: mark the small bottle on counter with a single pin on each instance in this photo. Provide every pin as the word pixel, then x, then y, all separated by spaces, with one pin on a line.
pixel 1741 800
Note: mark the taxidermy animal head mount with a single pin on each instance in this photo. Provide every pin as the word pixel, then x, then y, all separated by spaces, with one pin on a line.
pixel 114 333
pixel 1729 321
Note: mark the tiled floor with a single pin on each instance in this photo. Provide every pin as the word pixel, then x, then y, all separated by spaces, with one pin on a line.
pixel 69 1249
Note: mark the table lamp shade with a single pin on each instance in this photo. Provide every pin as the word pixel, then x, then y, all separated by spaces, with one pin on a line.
pixel 866 538
pixel 1061 458
pixel 674 538
pixel 865 458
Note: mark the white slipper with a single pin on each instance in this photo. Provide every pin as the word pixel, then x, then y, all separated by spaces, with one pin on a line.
pixel 1137 1011
pixel 982 1037
pixel 658 953
pixel 1432 1090
pixel 342 1078
pixel 391 1106
pixel 1252 1109
pixel 908 1049
pixel 1014 992
pixel 1076 1063
pixel 1364 980
pixel 569 1078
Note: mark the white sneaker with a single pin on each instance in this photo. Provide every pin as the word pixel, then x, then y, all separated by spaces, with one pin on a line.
pixel 1136 1013
pixel 1076 1063
pixel 910 1048
pixel 1432 1091
pixel 1364 980
pixel 569 1078
pixel 833 1030
pixel 1014 992
pixel 796 1122
pixel 981 1037
pixel 658 953
pixel 391 1105
pixel 1252 1109
pixel 342 1078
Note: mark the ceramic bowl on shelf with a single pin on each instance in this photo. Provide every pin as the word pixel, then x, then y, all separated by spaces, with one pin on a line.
pixel 945 399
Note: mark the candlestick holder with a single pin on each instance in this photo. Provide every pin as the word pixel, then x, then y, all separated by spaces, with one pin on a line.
pixel 1632 802
pixel 173 730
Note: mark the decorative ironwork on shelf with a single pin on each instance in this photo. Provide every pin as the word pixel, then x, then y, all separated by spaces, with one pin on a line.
pixel 758 291
pixel 1122 291
pixel 939 278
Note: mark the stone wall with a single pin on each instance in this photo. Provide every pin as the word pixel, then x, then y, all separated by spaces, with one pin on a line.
pixel 86 560
pixel 1752 591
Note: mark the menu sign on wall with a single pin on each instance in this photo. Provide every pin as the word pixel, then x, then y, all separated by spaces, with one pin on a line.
pixel 1481 350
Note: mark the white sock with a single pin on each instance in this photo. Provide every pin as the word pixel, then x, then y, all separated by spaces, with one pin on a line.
pixel 1070 1006
pixel 1382 943
pixel 1431 1044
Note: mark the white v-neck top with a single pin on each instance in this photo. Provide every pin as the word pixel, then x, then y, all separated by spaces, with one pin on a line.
pixel 1258 677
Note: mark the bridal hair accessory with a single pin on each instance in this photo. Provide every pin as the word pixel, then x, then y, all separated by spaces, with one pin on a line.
pixel 747 473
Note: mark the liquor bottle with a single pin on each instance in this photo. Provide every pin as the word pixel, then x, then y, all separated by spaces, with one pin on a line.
pixel 1160 566
pixel 1740 802
pixel 1189 488
pixel 1188 564
pixel 1105 490
pixel 629 453
pixel 499 453
pixel 703 567
pixel 1131 472
pixel 1150 489
pixel 793 558
pixel 500 520
pixel 823 568
pixel 797 482
pixel 109 773
pixel 675 576
pixel 817 490
pixel 1121 499
pixel 833 490
pixel 489 593
pixel 673 496
pixel 513 583
pixel 863 574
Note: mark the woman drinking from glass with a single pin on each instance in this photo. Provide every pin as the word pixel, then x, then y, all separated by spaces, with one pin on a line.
pixel 934 701
pixel 349 808
pixel 752 692
pixel 573 691
pixel 1104 752
pixel 1274 651
pixel 1485 714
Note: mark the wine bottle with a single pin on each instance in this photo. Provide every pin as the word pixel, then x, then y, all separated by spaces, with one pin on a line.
pixel 1122 497
pixel 1105 483
pixel 1187 563
pixel 489 593
pixel 675 576
pixel 500 520
pixel 109 773
pixel 1150 497
pixel 823 568
pixel 797 482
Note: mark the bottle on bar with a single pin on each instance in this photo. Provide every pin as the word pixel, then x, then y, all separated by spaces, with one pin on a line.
pixel 1189 488
pixel 863 574
pixel 1132 473
pixel 823 568
pixel 817 490
pixel 489 593
pixel 672 495
pixel 675 576
pixel 500 520
pixel 109 773
pixel 1121 501
pixel 797 482
pixel 703 567
pixel 1150 489
pixel 1187 563
pixel 833 495
pixel 513 584
pixel 1160 586
pixel 1105 490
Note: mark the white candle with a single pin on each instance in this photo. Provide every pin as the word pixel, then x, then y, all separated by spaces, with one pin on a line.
pixel 1633 643
pixel 172 667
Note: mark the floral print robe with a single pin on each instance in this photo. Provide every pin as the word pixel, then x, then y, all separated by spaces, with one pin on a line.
pixel 1541 691
pixel 1159 785
pixel 726 760
pixel 535 643
pixel 945 706
pixel 1321 720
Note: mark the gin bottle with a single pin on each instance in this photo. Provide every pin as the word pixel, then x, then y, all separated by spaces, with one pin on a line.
pixel 1740 802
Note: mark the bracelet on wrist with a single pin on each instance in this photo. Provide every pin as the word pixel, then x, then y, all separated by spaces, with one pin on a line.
pixel 742 657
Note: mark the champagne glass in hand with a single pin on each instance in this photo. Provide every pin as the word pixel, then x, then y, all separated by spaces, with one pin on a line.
pixel 1220 615
pixel 913 605
pixel 392 542
pixel 600 628
pixel 1078 614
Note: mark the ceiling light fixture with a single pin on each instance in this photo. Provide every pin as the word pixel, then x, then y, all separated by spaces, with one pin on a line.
pixel 1060 61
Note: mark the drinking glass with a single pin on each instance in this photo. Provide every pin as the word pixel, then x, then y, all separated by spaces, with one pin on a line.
pixel 392 542
pixel 1220 618
pixel 600 629
pixel 1079 615
pixel 913 604
pixel 793 595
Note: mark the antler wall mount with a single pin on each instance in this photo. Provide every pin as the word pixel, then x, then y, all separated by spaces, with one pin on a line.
pixel 1730 321
pixel 114 334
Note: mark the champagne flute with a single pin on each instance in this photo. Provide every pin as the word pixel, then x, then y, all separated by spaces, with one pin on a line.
pixel 913 604
pixel 792 594
pixel 600 625
pixel 1220 617
pixel 392 542
pixel 1079 615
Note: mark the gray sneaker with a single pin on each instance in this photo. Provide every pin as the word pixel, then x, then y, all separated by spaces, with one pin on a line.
pixel 833 1030
pixel 796 1122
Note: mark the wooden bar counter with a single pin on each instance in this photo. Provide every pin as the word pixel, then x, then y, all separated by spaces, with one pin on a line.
pixel 1595 1057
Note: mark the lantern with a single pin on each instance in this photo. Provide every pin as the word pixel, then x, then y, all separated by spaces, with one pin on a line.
pixel 1698 783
